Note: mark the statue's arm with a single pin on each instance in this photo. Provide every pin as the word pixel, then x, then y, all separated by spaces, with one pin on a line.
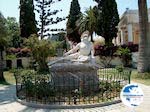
pixel 75 49
pixel 92 55
pixel 92 51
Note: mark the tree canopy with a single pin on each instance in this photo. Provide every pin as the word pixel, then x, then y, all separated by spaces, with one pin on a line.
pixel 41 50
pixel 27 18
pixel 3 40
pixel 108 19
pixel 74 15
pixel 88 22
pixel 3 31
pixel 46 17
pixel 14 39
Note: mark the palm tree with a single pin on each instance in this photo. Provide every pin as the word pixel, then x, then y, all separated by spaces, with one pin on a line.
pixel 87 21
pixel 144 41
pixel 2 44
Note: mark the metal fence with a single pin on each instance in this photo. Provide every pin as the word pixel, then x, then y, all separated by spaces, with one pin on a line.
pixel 42 89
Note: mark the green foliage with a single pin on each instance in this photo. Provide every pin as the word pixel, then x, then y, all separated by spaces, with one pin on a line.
pixel 108 87
pixel 29 86
pixel 119 68
pixel 10 57
pixel 14 39
pixel 57 44
pixel 125 54
pixel 142 75
pixel 24 72
pixel 61 36
pixel 27 18
pixel 145 75
pixel 46 17
pixel 43 88
pixel 62 40
pixel 27 80
pixel 107 19
pixel 13 70
pixel 59 39
pixel 143 78
pixel 2 25
pixel 87 21
pixel 74 15
pixel 35 83
pixel 10 32
pixel 41 49
pixel 38 87
pixel 123 51
pixel 3 43
pixel 3 32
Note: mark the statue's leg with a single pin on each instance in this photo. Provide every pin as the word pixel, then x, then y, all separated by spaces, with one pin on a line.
pixel 72 56
pixel 69 57
pixel 55 61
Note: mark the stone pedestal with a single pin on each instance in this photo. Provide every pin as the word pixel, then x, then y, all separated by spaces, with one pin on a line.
pixel 72 76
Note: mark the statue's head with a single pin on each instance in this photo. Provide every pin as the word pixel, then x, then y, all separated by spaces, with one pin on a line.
pixel 85 35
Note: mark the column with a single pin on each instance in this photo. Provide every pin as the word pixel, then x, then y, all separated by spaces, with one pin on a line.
pixel 130 34
pixel 122 37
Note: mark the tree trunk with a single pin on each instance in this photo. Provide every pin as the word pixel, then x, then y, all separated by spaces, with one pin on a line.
pixel 1 67
pixel 144 40
pixel 42 19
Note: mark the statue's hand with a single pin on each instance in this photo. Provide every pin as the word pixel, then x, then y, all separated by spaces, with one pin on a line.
pixel 65 55
pixel 93 61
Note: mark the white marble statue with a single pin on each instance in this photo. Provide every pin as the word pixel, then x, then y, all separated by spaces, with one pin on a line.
pixel 83 52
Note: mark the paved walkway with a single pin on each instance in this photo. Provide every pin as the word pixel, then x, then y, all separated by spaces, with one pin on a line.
pixel 8 103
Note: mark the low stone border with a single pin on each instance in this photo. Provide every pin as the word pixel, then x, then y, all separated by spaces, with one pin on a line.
pixel 55 106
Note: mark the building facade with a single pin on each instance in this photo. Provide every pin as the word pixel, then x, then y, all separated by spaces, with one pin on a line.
pixel 128 28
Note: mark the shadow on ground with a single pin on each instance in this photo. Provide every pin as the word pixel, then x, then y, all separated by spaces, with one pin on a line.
pixel 7 93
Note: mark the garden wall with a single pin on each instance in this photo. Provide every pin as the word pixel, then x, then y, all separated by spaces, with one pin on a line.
pixel 117 60
pixel 114 61
pixel 18 62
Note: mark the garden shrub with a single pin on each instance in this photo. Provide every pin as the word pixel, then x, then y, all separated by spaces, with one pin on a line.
pixel 35 83
pixel 108 53
pixel 105 50
pixel 41 50
pixel 125 54
pixel 119 68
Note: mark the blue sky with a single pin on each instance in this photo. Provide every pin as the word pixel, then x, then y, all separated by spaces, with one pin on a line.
pixel 11 7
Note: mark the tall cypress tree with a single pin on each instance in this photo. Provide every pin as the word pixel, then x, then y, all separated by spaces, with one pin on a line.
pixel 72 30
pixel 108 19
pixel 3 34
pixel 27 18
pixel 46 17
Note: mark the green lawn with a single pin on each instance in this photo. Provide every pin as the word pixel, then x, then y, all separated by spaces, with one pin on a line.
pixel 135 76
pixel 140 78
pixel 9 77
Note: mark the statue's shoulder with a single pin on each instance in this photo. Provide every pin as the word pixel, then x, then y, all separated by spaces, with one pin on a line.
pixel 91 43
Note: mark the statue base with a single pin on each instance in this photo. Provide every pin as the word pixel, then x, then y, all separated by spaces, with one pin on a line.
pixel 75 76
